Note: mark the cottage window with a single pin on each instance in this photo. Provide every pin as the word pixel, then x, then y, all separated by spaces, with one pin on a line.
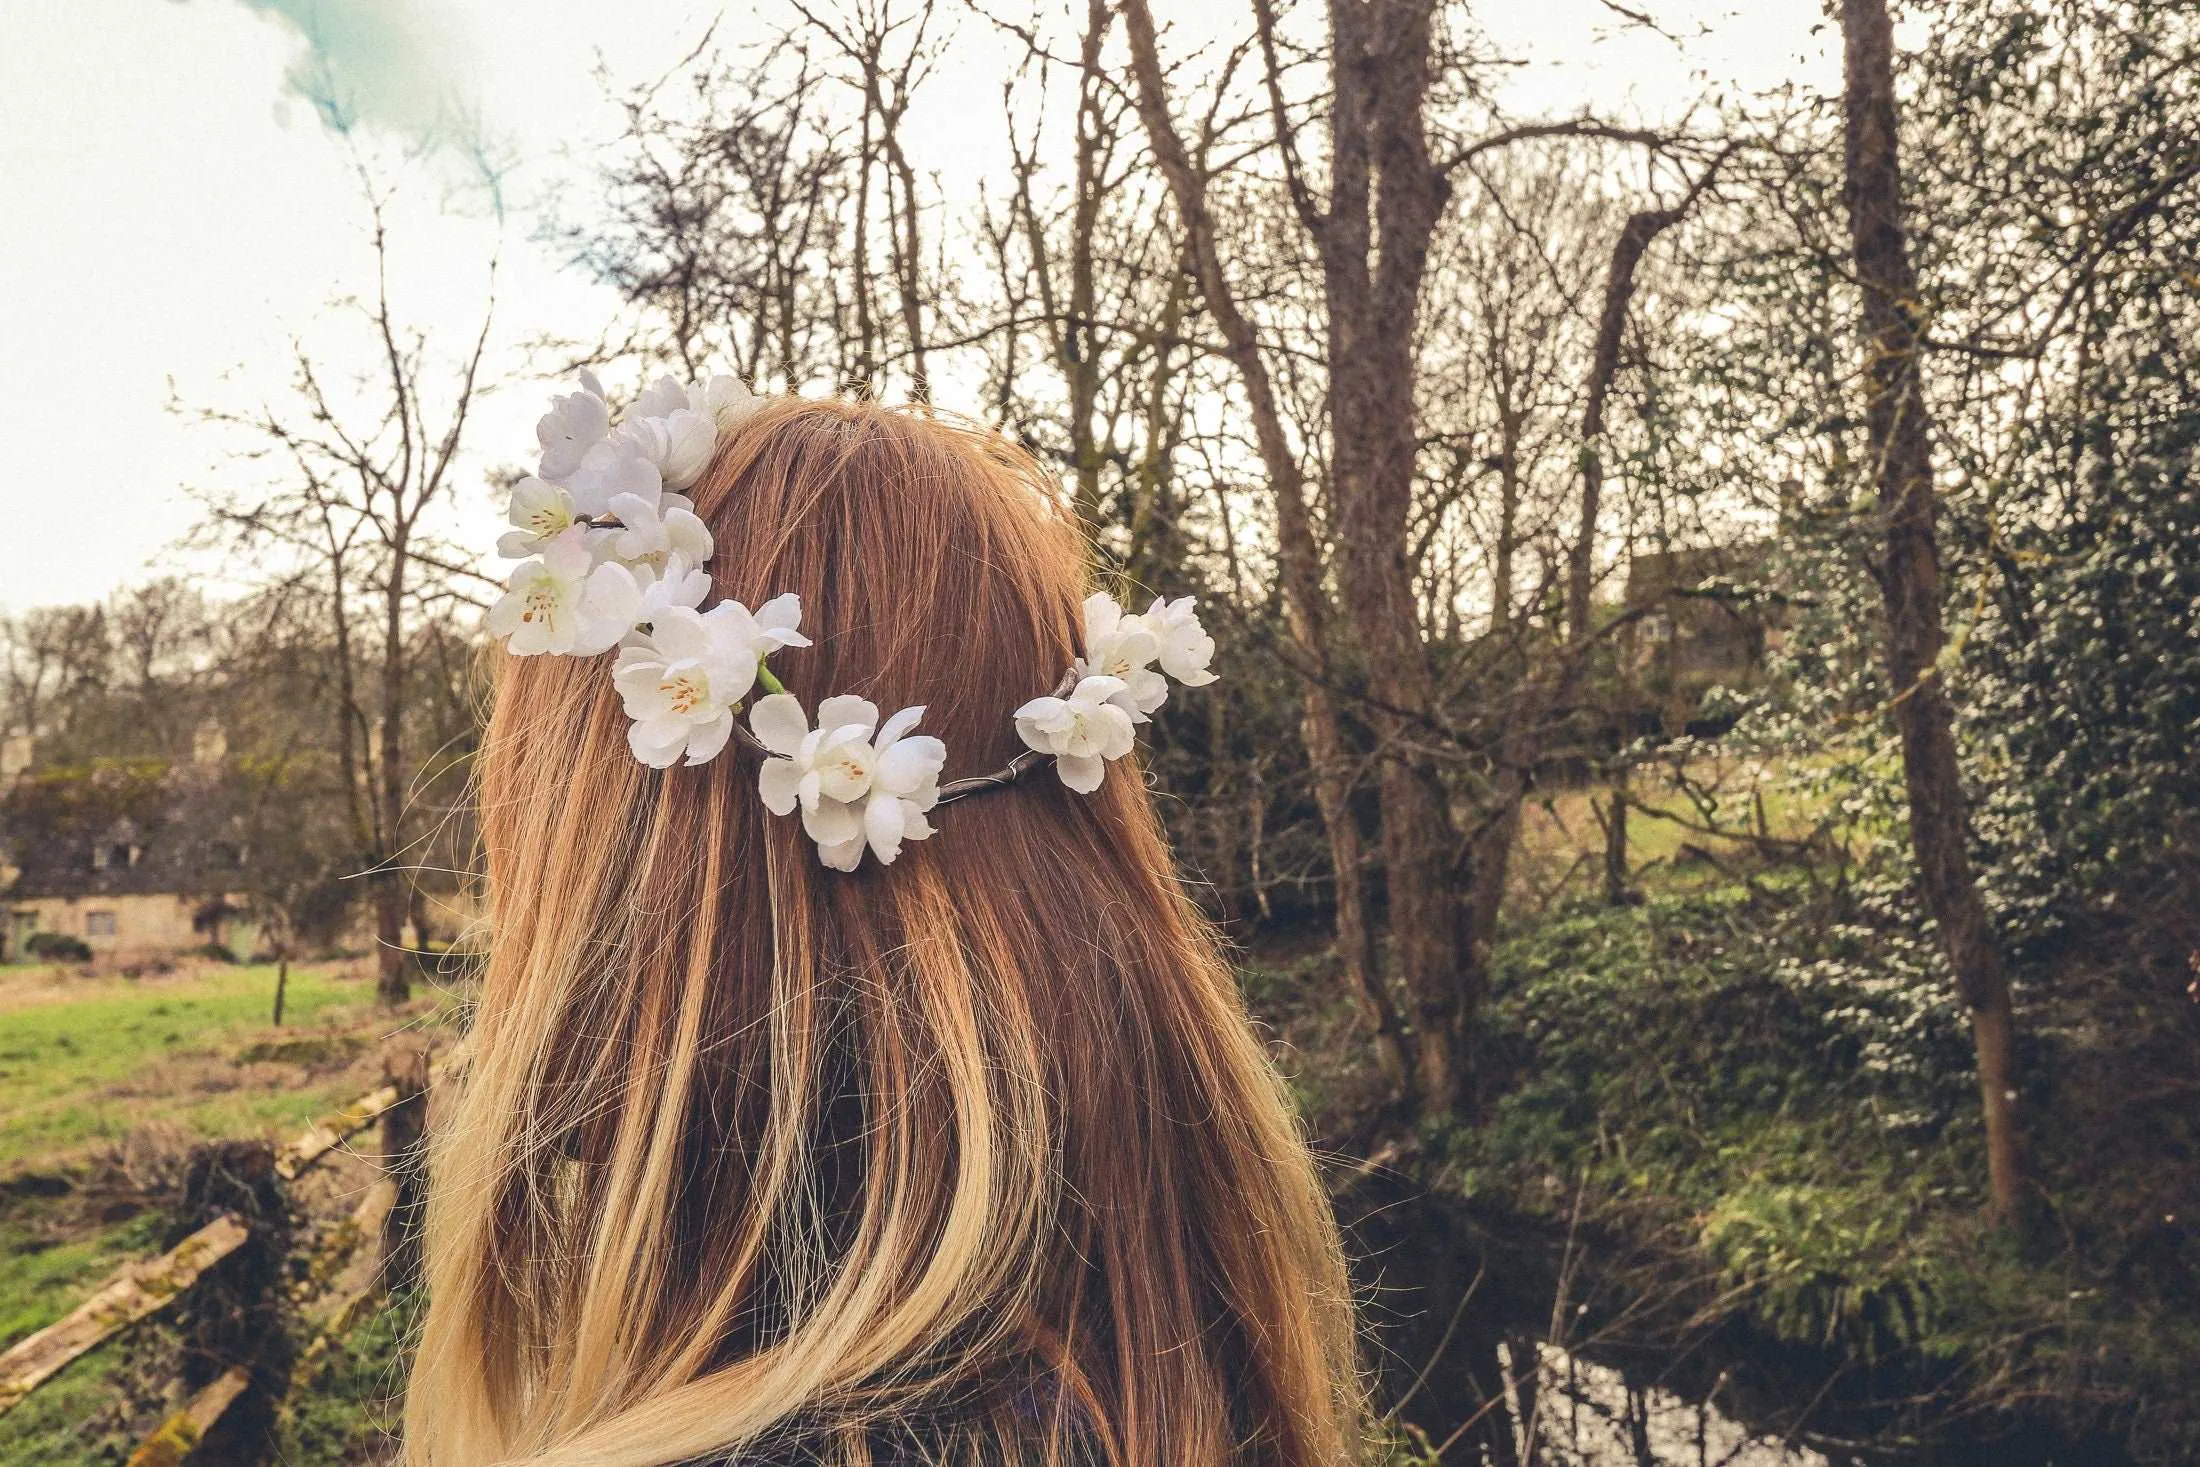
pixel 99 924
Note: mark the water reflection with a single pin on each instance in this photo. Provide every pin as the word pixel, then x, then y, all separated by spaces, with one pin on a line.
pixel 1571 1412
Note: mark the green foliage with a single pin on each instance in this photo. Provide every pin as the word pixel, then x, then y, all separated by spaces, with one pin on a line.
pixel 43 1277
pixel 49 1429
pixel 60 800
pixel 57 947
pixel 1824 1264
pixel 2086 693
pixel 346 1406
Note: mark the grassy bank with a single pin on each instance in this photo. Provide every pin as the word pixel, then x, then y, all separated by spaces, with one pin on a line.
pixel 1753 1102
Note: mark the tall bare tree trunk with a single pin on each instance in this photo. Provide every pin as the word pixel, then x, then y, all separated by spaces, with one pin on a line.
pixel 1899 434
pixel 1619 292
pixel 1305 602
pixel 393 980
pixel 1633 243
pixel 1385 196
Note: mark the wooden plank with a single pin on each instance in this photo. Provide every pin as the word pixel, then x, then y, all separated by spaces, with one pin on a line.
pixel 134 1291
pixel 138 1289
pixel 176 1437
pixel 332 1130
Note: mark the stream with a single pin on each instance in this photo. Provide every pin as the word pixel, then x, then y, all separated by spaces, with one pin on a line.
pixel 1502 1344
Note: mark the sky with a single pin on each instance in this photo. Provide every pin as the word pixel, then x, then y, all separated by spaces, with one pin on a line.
pixel 178 210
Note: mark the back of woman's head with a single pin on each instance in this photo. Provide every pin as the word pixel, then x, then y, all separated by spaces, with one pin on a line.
pixel 971 1158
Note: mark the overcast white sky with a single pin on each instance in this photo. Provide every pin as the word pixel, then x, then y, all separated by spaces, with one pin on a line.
pixel 174 210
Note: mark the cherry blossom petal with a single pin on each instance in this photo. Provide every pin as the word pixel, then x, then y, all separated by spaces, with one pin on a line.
pixel 843 855
pixel 845 709
pixel 830 821
pixel 909 765
pixel 704 740
pixel 883 823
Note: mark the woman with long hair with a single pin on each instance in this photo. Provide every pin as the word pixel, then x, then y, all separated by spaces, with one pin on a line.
pixel 946 1141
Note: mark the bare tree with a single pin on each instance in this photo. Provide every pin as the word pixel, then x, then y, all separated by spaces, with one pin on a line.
pixel 890 53
pixel 1371 226
pixel 1306 601
pixel 722 220
pixel 352 523
pixel 1635 237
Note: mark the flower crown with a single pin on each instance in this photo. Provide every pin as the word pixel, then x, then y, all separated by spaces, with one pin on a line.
pixel 612 555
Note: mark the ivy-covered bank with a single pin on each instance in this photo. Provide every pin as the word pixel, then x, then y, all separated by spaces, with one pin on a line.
pixel 1746 1105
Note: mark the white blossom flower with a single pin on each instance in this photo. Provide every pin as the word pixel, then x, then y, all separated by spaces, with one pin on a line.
pixel 680 443
pixel 904 788
pixel 575 423
pixel 1123 647
pixel 1185 647
pixel 680 683
pixel 660 398
pixel 562 601
pixel 651 532
pixel 678 584
pixel 771 626
pixel 727 400
pixel 682 680
pixel 856 788
pixel 1083 731
pixel 610 468
pixel 541 511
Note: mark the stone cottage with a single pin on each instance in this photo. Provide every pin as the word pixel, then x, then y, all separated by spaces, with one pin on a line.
pixel 132 859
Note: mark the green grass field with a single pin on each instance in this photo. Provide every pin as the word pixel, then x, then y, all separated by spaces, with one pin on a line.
pixel 83 1061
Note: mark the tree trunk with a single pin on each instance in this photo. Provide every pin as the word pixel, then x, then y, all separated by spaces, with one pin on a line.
pixel 404 1128
pixel 1619 291
pixel 282 981
pixel 1633 243
pixel 1502 574
pixel 1899 435
pixel 1615 842
pixel 1305 602
pixel 1385 197
pixel 393 980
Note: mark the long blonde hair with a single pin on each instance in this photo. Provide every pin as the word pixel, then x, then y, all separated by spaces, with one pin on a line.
pixel 970 1160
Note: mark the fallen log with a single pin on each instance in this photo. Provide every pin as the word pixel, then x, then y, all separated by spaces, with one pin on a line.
pixel 174 1439
pixel 135 1291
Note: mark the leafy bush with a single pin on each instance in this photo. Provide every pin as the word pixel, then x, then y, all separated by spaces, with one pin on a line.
pixel 57 947
pixel 2085 694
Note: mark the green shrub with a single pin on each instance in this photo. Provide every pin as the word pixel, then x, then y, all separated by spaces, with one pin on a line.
pixel 57 947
